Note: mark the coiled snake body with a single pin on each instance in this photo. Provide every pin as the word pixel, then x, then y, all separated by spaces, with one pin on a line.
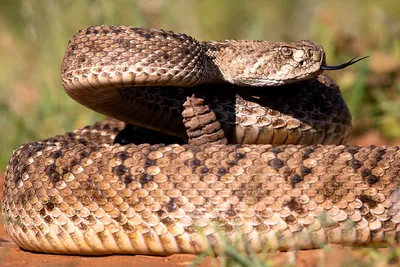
pixel 284 181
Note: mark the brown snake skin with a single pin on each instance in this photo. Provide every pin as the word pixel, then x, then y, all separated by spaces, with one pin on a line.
pixel 98 191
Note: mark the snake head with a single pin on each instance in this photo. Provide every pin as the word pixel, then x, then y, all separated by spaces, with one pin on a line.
pixel 264 63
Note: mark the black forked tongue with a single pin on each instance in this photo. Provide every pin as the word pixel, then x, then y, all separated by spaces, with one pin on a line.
pixel 344 65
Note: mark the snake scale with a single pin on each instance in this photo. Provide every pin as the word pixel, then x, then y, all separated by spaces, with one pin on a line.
pixel 264 162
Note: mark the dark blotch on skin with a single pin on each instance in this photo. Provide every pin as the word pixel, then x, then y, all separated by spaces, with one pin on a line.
pixel 355 164
pixel 230 163
pixel 351 150
pixel 70 135
pixel 119 170
pixel 147 36
pixel 305 171
pixel 194 150
pixel 26 152
pixel 171 206
pixel 83 141
pixel 145 178
pixel 276 163
pixel 293 205
pixel 333 156
pixel 82 226
pixel 380 153
pixel 84 154
pixel 24 228
pixel 372 179
pixel 64 170
pixel 231 213
pixel 193 162
pixel 163 34
pixel 204 170
pixel 290 219
pixel 276 150
pixel 239 156
pixel 365 172
pixel 368 200
pixel 74 161
pixel 221 171
pixel 330 188
pixel 128 228
pixel 168 221
pixel 150 162
pixel 307 153
pixel 91 219
pixel 48 219
pixel 57 154
pixel 240 194
pixel 75 218
pixel 162 214
pixel 122 155
pixel 295 179
pixel 23 169
pixel 43 212
pixel 128 179
pixel 387 225
pixel 49 206
pixel 52 173
pixel 286 172
pixel 55 177
pixel 23 199
pixel 87 185
pixel 369 217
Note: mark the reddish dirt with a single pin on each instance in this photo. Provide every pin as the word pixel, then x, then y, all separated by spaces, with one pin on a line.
pixel 12 255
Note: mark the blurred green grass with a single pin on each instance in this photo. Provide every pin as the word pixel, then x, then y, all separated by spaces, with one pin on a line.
pixel 34 35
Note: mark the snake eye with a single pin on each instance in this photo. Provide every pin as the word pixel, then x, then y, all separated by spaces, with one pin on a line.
pixel 286 51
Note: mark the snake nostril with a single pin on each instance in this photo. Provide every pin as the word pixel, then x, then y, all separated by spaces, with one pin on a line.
pixel 301 63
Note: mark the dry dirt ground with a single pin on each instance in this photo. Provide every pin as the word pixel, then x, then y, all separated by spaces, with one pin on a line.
pixel 12 255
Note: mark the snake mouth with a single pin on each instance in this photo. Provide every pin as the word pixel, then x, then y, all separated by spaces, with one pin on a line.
pixel 344 65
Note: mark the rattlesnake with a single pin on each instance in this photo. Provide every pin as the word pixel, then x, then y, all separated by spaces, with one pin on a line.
pixel 95 192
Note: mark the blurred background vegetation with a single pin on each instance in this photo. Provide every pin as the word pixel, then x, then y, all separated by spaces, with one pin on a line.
pixel 34 35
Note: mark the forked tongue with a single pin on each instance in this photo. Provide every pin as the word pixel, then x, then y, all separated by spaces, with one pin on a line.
pixel 344 65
